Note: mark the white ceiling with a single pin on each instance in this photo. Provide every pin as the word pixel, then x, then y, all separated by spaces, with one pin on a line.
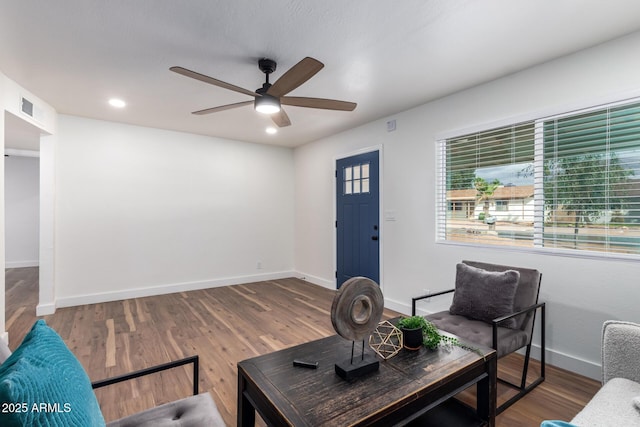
pixel 387 56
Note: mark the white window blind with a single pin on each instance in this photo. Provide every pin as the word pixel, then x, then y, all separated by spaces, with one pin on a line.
pixel 570 182
pixel 482 173
pixel 591 186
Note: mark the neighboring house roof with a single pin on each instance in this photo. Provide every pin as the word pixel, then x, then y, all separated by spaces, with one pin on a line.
pixel 501 193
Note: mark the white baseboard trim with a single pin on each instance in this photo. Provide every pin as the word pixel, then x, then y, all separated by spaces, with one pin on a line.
pixel 5 337
pixel 45 309
pixel 21 264
pixel 553 357
pixel 569 362
pixel 329 284
pixel 397 306
pixel 166 289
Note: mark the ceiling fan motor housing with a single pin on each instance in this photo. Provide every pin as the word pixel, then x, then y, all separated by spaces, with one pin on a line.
pixel 267 65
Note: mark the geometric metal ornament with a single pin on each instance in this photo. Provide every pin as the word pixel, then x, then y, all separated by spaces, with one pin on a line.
pixel 386 340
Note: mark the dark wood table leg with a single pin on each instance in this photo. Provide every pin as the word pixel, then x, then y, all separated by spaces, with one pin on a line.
pixel 487 393
pixel 246 412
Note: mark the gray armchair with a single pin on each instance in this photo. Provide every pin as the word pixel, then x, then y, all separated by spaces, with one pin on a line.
pixel 495 306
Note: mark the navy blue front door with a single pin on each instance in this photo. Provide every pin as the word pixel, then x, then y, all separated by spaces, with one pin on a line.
pixel 358 216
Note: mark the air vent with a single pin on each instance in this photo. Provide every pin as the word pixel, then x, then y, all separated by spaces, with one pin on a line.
pixel 31 110
pixel 27 107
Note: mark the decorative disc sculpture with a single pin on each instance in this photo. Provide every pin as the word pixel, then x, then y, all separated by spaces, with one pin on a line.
pixel 355 314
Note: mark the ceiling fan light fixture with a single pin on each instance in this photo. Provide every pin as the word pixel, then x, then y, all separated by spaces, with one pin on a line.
pixel 267 104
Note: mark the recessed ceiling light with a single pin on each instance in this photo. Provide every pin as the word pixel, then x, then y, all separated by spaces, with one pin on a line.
pixel 117 103
pixel 271 130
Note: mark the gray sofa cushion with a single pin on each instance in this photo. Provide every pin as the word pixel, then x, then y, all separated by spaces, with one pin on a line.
pixel 484 295
pixel 611 406
pixel 479 332
pixel 197 411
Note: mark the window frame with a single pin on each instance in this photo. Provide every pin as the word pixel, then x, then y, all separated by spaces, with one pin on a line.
pixel 538 120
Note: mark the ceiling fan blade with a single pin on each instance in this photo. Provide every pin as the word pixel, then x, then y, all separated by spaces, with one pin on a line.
pixel 325 104
pixel 281 119
pixel 295 76
pixel 211 80
pixel 222 108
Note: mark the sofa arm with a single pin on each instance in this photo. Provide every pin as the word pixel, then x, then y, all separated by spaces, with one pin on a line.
pixel 620 350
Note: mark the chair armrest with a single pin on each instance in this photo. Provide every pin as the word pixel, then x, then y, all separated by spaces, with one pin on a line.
pixel 495 322
pixel 498 320
pixel 415 299
pixel 153 370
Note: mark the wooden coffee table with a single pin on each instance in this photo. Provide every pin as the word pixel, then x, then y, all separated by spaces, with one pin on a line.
pixel 412 388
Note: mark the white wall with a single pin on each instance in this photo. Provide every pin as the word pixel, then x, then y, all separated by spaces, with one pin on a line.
pixel 22 193
pixel 580 293
pixel 142 211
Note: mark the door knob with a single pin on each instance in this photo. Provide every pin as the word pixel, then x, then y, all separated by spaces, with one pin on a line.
pixel 374 237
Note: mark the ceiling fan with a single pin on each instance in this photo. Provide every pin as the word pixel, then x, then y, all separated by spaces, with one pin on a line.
pixel 270 97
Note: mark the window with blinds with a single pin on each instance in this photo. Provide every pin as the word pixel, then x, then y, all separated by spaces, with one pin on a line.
pixel 569 182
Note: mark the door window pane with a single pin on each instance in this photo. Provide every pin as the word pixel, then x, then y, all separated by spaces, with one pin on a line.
pixel 347 173
pixel 365 185
pixel 356 186
pixel 356 179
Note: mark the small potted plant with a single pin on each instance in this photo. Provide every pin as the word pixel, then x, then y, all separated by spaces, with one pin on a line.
pixel 412 331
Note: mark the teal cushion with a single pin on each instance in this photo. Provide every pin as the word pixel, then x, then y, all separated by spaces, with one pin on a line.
pixel 43 384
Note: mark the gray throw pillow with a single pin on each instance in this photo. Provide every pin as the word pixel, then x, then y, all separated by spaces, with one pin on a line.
pixel 484 295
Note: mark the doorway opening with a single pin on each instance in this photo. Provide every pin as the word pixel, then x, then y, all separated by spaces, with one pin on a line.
pixel 22 220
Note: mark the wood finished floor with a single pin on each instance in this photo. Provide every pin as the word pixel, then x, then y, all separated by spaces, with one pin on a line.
pixel 225 325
